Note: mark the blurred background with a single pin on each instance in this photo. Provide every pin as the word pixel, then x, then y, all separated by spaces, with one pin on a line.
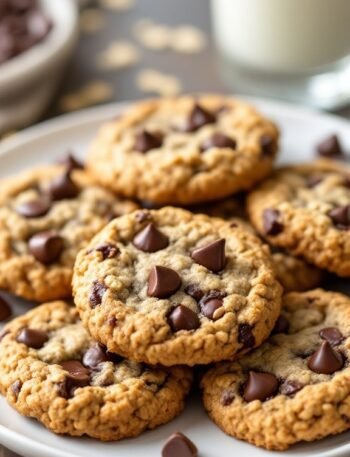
pixel 75 54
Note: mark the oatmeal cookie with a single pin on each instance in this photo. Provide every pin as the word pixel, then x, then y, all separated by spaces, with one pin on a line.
pixel 184 150
pixel 170 287
pixel 51 370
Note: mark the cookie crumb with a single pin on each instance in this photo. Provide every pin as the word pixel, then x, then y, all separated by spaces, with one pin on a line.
pixel 92 93
pixel 92 20
pixel 118 54
pixel 119 5
pixel 153 81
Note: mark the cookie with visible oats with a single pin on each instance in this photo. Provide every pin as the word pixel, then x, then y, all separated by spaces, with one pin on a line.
pixel 184 150
pixel 51 370
pixel 47 215
pixel 295 387
pixel 306 209
pixel 170 287
pixel 294 273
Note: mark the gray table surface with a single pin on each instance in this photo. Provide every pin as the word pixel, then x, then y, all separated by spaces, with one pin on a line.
pixel 198 72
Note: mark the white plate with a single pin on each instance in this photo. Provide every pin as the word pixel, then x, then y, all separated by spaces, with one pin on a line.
pixel 301 131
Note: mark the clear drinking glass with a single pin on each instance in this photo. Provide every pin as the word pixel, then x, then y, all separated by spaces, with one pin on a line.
pixel 298 50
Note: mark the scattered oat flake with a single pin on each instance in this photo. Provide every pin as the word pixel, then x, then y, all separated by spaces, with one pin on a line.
pixel 118 54
pixel 151 35
pixel 185 39
pixel 91 94
pixel 92 20
pixel 153 81
pixel 121 5
pixel 188 39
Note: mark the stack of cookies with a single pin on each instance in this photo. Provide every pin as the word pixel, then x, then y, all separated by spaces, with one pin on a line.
pixel 172 267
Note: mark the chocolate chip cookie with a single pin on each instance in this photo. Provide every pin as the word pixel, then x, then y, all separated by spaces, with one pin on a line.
pixel 46 216
pixel 293 273
pixel 170 287
pixel 295 387
pixel 184 150
pixel 51 370
pixel 306 209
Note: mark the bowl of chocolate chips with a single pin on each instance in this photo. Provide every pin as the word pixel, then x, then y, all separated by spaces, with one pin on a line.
pixel 36 39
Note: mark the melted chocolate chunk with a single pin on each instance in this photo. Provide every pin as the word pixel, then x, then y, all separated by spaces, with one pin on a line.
pixel 32 338
pixel 108 251
pixel 313 180
pixel 211 256
pixel 194 291
pixel 332 335
pixel 290 388
pixel 271 222
pixel 70 162
pixel 245 335
pixel 268 145
pixel 227 397
pixel 78 376
pixel 94 356
pixel 150 239
pixel 16 387
pixel 96 293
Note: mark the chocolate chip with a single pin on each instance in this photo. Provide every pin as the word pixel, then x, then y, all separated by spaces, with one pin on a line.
pixel 245 335
pixel 341 217
pixel 313 180
pixel 268 145
pixel 142 216
pixel 112 321
pixel 210 302
pixel 70 162
pixel 178 445
pixel 150 239
pixel 16 387
pixel 96 293
pixel 218 140
pixel 162 282
pixel 281 326
pixel 271 222
pixel 34 208
pixel 32 338
pixel 108 251
pixel 46 247
pixel 183 318
pixel 332 335
pixel 211 256
pixel 290 388
pixel 145 141
pixel 62 187
pixel 194 291
pixel 94 356
pixel 325 360
pixel 260 386
pixel 227 397
pixel 197 118
pixel 78 376
pixel 330 147
pixel 5 310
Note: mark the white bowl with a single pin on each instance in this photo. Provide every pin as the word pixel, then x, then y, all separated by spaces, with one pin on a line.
pixel 35 73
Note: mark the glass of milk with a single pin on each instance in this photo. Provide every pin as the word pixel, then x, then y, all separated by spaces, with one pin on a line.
pixel 297 50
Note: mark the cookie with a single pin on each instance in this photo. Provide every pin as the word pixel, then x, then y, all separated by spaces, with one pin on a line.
pixel 170 287
pixel 306 209
pixel 47 215
pixel 293 273
pixel 184 150
pixel 51 370
pixel 295 387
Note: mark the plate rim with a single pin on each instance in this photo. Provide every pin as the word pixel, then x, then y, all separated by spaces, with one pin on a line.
pixel 70 121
